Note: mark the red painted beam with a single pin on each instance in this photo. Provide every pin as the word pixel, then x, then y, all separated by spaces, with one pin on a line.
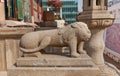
pixel 32 11
pixel 31 6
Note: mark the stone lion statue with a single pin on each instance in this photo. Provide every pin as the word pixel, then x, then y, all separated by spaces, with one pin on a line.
pixel 72 35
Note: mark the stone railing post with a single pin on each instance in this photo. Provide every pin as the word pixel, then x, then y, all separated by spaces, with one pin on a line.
pixel 97 19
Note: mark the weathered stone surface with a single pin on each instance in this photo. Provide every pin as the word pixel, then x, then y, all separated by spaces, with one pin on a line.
pixel 11 53
pixel 54 65
pixel 53 71
pixel 55 61
pixel 4 73
pixel 2 55
pixel 109 70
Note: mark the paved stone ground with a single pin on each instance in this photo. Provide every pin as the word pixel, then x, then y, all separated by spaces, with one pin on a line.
pixel 110 60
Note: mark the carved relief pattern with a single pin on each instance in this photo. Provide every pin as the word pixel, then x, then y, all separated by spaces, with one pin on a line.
pixel 93 24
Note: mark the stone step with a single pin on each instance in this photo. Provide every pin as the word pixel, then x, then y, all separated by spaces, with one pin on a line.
pixel 54 65
pixel 55 61
pixel 53 71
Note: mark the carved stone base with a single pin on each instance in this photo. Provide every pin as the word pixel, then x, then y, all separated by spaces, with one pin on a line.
pixel 57 65
pixel 55 61
pixel 54 65
pixel 53 71
pixel 109 70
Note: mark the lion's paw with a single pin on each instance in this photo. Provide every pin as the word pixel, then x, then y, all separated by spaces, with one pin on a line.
pixel 82 52
pixel 75 55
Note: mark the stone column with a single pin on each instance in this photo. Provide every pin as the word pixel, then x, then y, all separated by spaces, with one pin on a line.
pixel 97 19
pixel 95 46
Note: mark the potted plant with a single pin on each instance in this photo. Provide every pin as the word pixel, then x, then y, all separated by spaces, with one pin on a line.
pixel 56 4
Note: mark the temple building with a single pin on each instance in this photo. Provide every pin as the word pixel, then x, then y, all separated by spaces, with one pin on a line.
pixel 23 10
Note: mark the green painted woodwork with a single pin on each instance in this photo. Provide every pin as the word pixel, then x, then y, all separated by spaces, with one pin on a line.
pixel 20 9
pixel 27 14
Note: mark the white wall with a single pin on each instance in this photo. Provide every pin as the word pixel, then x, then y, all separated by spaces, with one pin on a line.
pixel 115 9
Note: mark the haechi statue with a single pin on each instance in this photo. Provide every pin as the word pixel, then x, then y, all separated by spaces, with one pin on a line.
pixel 72 35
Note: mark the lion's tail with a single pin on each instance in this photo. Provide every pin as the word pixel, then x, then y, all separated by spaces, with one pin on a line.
pixel 30 50
pixel 44 43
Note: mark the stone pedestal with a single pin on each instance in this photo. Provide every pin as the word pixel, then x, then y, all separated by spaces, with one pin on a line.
pixel 54 65
pixel 9 41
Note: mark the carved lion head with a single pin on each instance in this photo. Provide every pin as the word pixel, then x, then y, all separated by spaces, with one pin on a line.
pixel 81 30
